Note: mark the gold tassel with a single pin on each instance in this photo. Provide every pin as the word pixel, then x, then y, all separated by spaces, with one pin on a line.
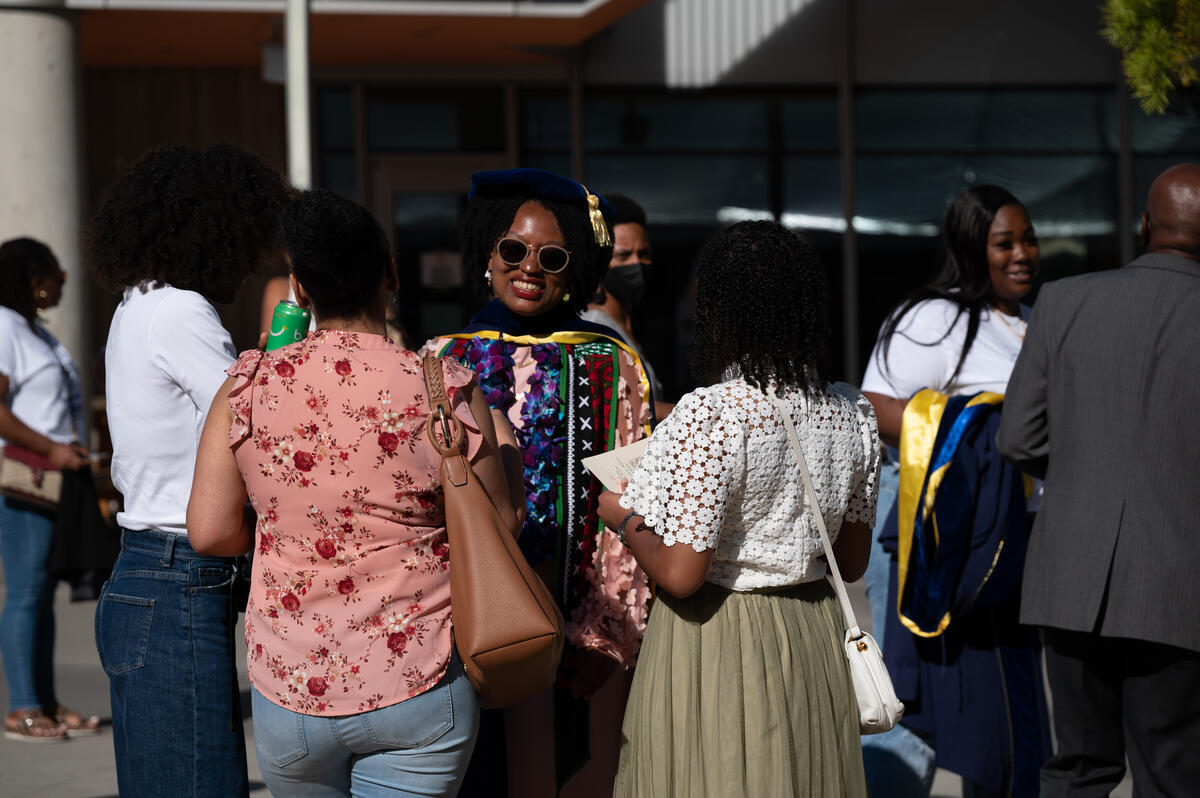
pixel 599 227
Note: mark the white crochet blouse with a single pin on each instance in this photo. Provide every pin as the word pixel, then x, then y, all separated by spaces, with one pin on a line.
pixel 719 474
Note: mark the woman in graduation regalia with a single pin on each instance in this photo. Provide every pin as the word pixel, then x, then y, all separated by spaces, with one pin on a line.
pixel 535 244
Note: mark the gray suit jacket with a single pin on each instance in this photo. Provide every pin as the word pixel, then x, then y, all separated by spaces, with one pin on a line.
pixel 1104 403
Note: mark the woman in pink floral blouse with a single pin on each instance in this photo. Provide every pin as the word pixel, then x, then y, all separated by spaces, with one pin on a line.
pixel 356 684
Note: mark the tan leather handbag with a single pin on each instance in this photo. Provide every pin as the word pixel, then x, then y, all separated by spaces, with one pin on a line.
pixel 29 477
pixel 507 627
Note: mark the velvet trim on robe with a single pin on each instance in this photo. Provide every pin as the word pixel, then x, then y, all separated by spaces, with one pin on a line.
pixel 969 675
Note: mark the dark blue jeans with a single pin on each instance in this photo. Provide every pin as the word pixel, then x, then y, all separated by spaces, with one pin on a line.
pixel 164 630
pixel 27 625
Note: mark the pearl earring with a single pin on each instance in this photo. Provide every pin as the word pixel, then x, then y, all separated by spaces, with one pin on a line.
pixel 487 275
pixel 43 293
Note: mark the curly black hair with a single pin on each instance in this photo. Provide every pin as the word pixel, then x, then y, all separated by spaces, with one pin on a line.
pixel 338 252
pixel 487 219
pixel 762 308
pixel 22 260
pixel 964 278
pixel 196 219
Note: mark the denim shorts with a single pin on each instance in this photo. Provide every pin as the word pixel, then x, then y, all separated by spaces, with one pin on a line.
pixel 164 630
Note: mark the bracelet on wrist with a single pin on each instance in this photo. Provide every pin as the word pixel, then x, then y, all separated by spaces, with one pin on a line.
pixel 620 531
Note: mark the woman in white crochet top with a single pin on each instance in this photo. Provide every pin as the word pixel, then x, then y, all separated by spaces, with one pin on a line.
pixel 742 687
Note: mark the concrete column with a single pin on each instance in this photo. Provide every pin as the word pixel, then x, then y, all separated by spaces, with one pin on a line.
pixel 41 164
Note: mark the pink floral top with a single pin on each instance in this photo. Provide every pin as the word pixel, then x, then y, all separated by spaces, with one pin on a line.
pixel 350 600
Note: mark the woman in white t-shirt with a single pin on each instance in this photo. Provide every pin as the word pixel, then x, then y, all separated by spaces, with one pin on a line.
pixel 40 412
pixel 742 686
pixel 183 229
pixel 959 334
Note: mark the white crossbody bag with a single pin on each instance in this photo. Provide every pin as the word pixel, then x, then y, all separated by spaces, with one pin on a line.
pixel 878 708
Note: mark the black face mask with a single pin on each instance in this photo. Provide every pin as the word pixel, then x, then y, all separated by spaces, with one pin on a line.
pixel 626 283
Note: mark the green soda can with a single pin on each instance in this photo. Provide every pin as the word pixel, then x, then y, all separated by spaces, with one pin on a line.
pixel 289 324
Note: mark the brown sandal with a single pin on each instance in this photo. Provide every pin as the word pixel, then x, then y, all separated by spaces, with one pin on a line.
pixel 77 725
pixel 33 726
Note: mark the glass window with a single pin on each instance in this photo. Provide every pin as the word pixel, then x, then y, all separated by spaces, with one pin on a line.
pixel 896 193
pixel 989 119
pixel 676 124
pixel 813 193
pixel 810 123
pixel 559 164
pixel 684 190
pixel 547 123
pixel 337 174
pixel 335 118
pixel 434 296
pixel 1177 130
pixel 335 140
pixel 471 122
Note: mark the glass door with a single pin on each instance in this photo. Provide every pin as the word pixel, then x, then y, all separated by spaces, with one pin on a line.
pixel 419 199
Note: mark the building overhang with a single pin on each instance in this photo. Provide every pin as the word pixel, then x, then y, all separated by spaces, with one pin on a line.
pixel 206 33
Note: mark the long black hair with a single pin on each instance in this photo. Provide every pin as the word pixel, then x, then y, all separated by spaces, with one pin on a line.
pixel 761 307
pixel 22 260
pixel 488 218
pixel 964 278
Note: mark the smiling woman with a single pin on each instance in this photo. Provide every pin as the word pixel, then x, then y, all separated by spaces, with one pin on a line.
pixel 528 264
pixel 959 335
pixel 535 245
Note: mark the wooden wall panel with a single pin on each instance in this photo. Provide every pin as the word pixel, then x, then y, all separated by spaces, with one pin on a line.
pixel 130 111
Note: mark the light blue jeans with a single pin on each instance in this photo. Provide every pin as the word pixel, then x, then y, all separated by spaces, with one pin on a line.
pixel 419 747
pixel 899 764
pixel 27 625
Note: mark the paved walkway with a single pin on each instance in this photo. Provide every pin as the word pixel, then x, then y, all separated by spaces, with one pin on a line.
pixel 83 767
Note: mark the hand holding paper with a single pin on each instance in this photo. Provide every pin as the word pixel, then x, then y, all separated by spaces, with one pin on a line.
pixel 616 464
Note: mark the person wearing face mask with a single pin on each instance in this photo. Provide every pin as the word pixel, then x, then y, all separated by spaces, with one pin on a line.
pixel 970 679
pixel 624 284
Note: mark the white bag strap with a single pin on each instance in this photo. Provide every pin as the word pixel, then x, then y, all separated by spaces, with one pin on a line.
pixel 815 506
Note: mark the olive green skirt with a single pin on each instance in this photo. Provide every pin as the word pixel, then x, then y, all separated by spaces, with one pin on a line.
pixel 742 694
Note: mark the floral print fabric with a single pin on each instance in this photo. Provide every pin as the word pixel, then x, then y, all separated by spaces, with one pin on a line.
pixel 349 607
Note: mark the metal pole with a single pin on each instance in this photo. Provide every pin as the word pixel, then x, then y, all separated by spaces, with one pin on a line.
pixel 850 366
pixel 299 140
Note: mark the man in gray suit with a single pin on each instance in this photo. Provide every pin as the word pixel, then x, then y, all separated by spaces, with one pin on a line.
pixel 1103 405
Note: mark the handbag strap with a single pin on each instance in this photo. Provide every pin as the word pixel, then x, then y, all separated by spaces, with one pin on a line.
pixel 450 444
pixel 70 375
pixel 815 507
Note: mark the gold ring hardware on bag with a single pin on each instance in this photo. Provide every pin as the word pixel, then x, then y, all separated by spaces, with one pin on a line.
pixel 445 424
pixel 862 645
pixel 450 443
